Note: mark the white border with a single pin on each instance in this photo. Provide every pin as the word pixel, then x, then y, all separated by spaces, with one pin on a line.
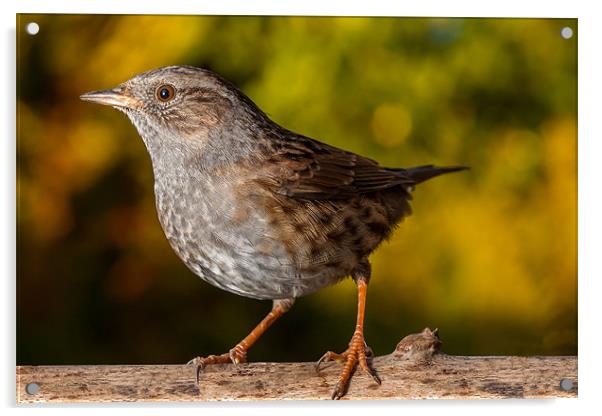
pixel 590 186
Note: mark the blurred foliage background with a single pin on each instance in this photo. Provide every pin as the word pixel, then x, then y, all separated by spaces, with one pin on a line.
pixel 489 256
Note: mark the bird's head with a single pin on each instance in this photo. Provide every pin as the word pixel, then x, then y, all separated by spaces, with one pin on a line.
pixel 178 106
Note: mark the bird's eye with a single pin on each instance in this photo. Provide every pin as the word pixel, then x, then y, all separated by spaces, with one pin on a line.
pixel 165 93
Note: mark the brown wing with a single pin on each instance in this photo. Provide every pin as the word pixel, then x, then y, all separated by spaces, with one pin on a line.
pixel 314 170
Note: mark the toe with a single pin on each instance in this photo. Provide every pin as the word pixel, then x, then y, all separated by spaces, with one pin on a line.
pixel 238 355
pixel 365 364
pixel 202 362
pixel 329 356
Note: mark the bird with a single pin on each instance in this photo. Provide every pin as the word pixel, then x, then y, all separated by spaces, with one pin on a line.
pixel 256 209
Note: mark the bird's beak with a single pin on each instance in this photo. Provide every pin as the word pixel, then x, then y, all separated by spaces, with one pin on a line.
pixel 117 97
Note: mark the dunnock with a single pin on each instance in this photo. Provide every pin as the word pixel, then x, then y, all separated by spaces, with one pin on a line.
pixel 256 209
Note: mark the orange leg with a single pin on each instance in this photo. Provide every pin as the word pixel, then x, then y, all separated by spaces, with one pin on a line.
pixel 238 354
pixel 358 352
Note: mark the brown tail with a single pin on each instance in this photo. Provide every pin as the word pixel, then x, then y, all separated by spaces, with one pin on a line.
pixel 422 173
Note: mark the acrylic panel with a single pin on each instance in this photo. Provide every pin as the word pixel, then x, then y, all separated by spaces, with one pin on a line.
pixel 137 254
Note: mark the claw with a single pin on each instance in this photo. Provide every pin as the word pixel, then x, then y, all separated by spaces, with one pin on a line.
pixel 202 362
pixel 329 356
pixel 320 361
pixel 199 369
pixel 338 392
pixel 375 376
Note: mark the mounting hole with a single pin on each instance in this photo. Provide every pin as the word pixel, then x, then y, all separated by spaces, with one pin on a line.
pixel 32 388
pixel 32 28
pixel 566 384
pixel 566 32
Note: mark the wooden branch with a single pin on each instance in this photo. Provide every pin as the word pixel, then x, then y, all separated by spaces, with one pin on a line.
pixel 415 370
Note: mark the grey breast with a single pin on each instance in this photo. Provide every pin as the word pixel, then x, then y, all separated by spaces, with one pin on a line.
pixel 224 243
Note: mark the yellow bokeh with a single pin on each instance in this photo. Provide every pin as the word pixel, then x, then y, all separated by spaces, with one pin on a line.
pixel 391 124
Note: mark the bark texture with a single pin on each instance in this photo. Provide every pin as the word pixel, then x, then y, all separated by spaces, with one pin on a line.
pixel 415 370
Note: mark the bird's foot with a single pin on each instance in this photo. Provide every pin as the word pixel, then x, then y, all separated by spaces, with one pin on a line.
pixel 358 353
pixel 236 355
